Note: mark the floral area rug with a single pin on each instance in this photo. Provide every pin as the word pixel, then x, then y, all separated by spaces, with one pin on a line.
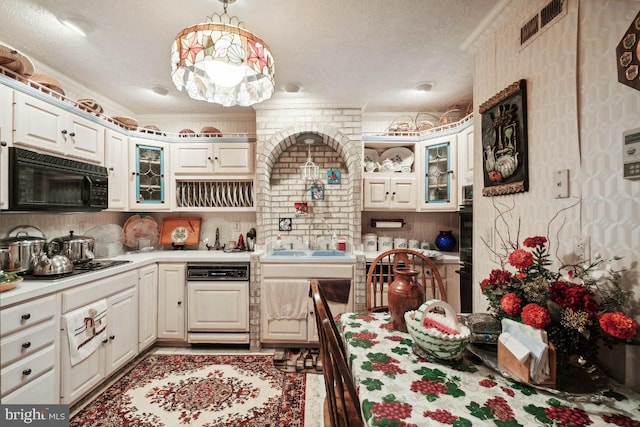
pixel 200 390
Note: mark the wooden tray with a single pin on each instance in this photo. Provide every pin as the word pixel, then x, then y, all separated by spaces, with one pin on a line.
pixel 180 231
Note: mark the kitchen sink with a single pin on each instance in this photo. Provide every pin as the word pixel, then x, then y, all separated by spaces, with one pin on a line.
pixel 309 253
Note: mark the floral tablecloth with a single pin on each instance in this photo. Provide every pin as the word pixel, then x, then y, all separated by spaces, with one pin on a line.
pixel 398 388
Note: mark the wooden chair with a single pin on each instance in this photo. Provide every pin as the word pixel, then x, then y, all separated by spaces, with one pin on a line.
pixel 341 406
pixel 381 274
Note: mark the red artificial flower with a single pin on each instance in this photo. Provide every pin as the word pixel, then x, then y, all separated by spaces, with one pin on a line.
pixel 497 279
pixel 521 275
pixel 618 325
pixel 536 316
pixel 511 304
pixel 521 259
pixel 574 296
pixel 533 242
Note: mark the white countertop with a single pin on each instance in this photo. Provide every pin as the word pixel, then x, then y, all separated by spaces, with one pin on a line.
pixel 29 289
pixel 447 257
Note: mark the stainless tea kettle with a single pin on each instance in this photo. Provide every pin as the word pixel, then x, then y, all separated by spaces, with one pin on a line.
pixel 49 262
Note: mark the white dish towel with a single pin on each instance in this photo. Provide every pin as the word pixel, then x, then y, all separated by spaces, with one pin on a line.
pixel 86 329
pixel 289 302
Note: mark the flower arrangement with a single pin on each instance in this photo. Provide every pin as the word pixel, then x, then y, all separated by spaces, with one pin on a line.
pixel 580 306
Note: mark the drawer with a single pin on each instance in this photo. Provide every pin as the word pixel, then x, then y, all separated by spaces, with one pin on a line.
pixel 308 271
pixel 28 369
pixel 27 341
pixel 41 391
pixel 87 294
pixel 24 315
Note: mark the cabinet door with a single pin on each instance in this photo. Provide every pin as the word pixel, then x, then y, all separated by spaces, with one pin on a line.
pixel 6 139
pixel 116 161
pixel 336 309
pixel 192 159
pixel 122 328
pixel 438 183
pixel 84 139
pixel 218 306
pixel 41 391
pixel 171 298
pixel 233 158
pixel 376 192
pixel 78 380
pixel 147 306
pixel 465 159
pixel 403 193
pixel 148 190
pixel 281 330
pixel 38 124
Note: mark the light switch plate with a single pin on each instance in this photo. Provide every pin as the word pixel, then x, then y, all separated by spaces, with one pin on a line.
pixel 561 183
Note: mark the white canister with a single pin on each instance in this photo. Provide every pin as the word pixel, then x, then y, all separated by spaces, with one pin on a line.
pixel 400 243
pixel 425 245
pixel 414 244
pixel 385 243
pixel 370 242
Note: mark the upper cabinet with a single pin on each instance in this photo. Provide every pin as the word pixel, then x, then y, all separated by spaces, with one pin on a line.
pixel 44 126
pixel 438 187
pixel 214 158
pixel 116 160
pixel 148 184
pixel 465 160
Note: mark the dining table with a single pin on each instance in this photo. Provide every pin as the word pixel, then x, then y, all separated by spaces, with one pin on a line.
pixel 398 385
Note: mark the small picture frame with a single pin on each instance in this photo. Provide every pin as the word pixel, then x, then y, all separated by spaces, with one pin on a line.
pixel 285 224
pixel 317 192
pixel 302 208
pixel 333 176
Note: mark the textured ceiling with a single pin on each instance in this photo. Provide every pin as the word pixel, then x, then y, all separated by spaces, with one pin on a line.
pixel 368 53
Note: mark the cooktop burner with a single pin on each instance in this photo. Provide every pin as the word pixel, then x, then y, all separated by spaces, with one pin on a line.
pixel 86 267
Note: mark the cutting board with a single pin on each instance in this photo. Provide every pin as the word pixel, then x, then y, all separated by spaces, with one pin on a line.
pixel 180 231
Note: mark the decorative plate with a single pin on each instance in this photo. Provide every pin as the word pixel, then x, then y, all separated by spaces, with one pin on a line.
pixel 400 156
pixel 180 231
pixel 14 61
pixel 371 155
pixel 137 227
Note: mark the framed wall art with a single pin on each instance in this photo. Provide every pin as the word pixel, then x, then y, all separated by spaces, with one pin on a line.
pixel 317 192
pixel 333 176
pixel 504 141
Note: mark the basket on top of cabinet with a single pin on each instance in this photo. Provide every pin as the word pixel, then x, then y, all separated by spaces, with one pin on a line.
pixel 214 194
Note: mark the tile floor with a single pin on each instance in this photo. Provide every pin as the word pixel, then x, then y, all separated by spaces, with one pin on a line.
pixel 314 393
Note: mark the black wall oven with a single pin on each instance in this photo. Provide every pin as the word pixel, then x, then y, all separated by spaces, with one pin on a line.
pixel 466 256
pixel 41 182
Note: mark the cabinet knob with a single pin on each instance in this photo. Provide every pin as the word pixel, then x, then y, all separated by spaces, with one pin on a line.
pixel 26 372
pixel 64 131
pixel 112 337
pixel 111 168
pixel 179 302
pixel 26 316
pixel 72 134
pixel 216 158
pixel 26 344
pixel 3 143
pixel 209 158
pixel 104 341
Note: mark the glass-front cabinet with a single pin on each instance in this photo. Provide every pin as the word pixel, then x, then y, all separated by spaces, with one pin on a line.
pixel 148 184
pixel 438 181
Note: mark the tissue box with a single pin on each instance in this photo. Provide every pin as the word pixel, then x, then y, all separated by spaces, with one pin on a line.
pixel 508 363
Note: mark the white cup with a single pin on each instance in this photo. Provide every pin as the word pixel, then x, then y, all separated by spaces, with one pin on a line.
pixel 414 244
pixel 370 242
pixel 385 243
pixel 400 243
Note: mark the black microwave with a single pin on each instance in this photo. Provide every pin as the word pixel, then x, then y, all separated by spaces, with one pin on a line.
pixel 41 182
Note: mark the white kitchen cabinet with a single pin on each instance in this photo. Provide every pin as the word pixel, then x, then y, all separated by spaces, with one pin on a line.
pixel 42 126
pixel 147 306
pixel 116 160
pixel 171 302
pixel 119 347
pixel 387 191
pixel 277 278
pixel 148 189
pixel 438 181
pixel 200 159
pixel 6 140
pixel 29 349
pixel 465 159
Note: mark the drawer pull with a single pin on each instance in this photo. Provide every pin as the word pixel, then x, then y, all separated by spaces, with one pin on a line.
pixel 26 316
pixel 112 337
pixel 26 372
pixel 104 341
pixel 26 344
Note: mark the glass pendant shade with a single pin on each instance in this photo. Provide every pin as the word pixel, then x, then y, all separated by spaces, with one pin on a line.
pixel 222 63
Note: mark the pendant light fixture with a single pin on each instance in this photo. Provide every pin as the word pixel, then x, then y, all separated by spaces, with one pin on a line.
pixel 223 63
pixel 309 171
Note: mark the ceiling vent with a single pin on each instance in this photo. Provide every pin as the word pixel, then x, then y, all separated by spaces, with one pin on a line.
pixel 533 27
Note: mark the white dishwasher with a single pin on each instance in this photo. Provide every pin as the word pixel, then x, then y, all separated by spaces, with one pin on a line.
pixel 218 303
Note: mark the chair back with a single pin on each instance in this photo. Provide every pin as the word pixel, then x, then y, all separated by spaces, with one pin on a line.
pixel 342 407
pixel 382 272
